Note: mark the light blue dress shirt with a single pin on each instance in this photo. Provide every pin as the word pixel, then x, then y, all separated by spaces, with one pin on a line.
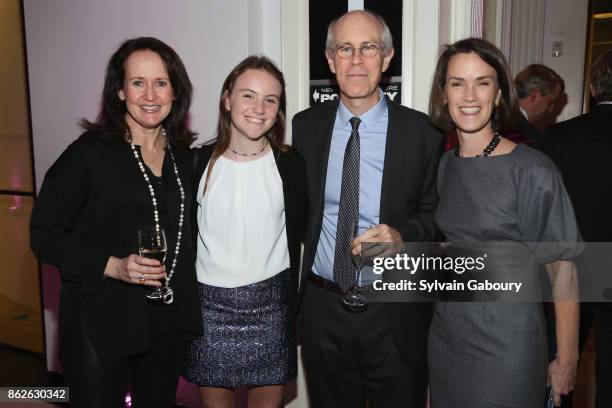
pixel 373 138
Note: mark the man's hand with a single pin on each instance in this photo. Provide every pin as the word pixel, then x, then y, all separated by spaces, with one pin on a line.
pixel 378 233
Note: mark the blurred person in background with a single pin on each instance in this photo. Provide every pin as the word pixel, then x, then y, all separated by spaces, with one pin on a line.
pixel 582 148
pixel 540 91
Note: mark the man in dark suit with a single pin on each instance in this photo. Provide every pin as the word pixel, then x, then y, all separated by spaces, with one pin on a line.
pixel 582 148
pixel 372 162
pixel 538 88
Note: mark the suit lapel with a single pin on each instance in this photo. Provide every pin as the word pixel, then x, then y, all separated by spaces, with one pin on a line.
pixel 321 135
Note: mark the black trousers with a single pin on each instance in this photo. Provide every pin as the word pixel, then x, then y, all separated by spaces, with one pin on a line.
pixel 152 376
pixel 603 362
pixel 352 357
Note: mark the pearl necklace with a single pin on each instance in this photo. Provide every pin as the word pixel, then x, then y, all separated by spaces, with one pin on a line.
pixel 154 201
pixel 488 149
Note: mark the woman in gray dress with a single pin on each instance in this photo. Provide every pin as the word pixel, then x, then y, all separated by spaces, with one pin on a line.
pixel 494 354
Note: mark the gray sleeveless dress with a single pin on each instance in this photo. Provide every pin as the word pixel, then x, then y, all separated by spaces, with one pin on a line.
pixel 488 354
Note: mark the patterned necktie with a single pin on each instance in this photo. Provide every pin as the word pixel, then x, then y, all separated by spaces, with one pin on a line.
pixel 348 213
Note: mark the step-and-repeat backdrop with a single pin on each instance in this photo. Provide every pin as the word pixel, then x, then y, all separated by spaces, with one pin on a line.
pixel 323 86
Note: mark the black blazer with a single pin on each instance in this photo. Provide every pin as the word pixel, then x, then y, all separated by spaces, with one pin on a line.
pixel 91 205
pixel 582 147
pixel 408 202
pixel 531 133
pixel 292 171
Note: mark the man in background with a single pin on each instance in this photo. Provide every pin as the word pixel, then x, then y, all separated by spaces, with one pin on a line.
pixel 582 148
pixel 538 88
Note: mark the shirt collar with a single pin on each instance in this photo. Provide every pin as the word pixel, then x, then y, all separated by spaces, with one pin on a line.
pixel 524 113
pixel 370 117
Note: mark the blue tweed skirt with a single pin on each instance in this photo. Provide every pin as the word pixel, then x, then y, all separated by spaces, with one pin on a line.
pixel 249 336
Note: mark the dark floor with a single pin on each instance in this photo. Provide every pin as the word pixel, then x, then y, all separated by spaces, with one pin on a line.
pixel 20 368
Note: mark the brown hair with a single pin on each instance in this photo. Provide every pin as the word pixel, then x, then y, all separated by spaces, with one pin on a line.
pixel 111 119
pixel 276 134
pixel 506 116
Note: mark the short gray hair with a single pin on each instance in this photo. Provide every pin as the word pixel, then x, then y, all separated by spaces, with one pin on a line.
pixel 537 76
pixel 386 38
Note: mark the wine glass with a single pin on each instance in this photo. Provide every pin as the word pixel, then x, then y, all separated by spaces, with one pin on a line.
pixel 354 300
pixel 152 245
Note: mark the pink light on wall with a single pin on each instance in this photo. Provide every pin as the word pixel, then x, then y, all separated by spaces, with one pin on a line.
pixel 16 205
pixel 16 178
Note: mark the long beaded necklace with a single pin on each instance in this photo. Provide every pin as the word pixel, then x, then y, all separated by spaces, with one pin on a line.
pixel 488 149
pixel 156 212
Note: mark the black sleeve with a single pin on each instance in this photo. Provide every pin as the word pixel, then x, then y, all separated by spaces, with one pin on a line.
pixel 296 137
pixel 303 190
pixel 421 226
pixel 61 201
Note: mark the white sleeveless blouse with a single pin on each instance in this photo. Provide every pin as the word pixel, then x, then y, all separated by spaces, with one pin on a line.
pixel 242 236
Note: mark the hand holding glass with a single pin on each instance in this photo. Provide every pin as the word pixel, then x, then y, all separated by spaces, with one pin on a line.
pixel 152 245
pixel 354 300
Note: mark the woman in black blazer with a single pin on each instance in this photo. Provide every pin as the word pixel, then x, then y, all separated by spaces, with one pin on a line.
pixel 129 171
pixel 250 209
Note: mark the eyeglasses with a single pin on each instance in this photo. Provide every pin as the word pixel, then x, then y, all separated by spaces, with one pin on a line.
pixel 366 51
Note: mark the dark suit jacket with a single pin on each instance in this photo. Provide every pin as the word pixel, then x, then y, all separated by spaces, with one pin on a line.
pixel 532 134
pixel 409 198
pixel 293 175
pixel 582 149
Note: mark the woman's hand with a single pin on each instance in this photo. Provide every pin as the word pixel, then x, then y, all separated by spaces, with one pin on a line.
pixel 562 370
pixel 136 270
pixel 562 377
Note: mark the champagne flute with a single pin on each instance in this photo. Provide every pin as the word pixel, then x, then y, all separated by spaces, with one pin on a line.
pixel 152 245
pixel 354 300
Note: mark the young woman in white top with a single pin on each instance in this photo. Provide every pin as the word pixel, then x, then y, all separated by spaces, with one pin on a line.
pixel 251 208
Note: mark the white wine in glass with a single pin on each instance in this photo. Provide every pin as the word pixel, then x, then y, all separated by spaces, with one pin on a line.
pixel 152 245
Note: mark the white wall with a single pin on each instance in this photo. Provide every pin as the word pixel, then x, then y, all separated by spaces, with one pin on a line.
pixel 69 43
pixel 265 28
pixel 566 20
pixel 421 44
pixel 295 56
